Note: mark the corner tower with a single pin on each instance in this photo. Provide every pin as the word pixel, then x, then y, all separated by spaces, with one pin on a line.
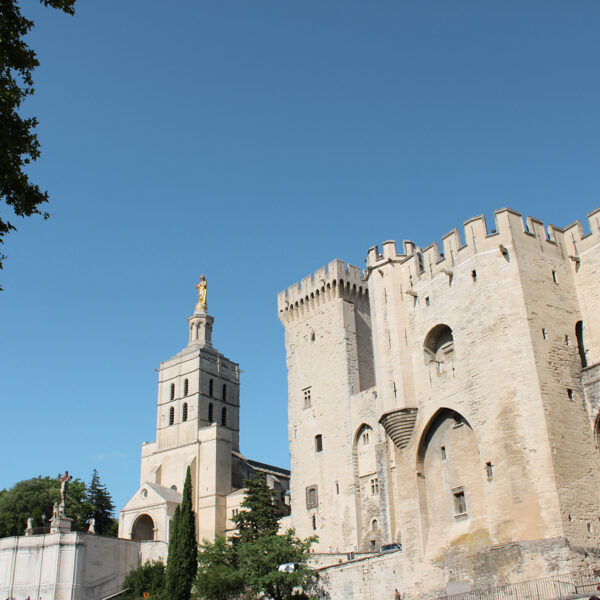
pixel 330 373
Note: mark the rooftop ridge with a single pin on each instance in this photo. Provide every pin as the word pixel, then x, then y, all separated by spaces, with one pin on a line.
pixel 334 280
pixel 476 237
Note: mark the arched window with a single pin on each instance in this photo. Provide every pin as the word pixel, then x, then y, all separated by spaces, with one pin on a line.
pixel 224 417
pixel 318 443
pixel 171 415
pixel 210 388
pixel 186 387
pixel 224 392
pixel 210 412
pixel 172 391
pixel 580 346
pixel 184 412
pixel 438 347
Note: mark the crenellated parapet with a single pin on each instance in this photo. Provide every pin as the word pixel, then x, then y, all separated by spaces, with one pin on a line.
pixel 510 231
pixel 335 280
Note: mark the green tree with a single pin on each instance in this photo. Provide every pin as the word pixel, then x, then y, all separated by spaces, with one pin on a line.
pixel 260 515
pixel 259 562
pixel 19 144
pixel 34 498
pixel 101 507
pixel 149 577
pixel 182 561
pixel 219 577
pixel 251 560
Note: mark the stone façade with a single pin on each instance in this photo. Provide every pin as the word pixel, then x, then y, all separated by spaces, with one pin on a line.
pixel 449 401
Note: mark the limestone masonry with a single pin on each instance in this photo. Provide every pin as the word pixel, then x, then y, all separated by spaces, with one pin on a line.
pixel 448 401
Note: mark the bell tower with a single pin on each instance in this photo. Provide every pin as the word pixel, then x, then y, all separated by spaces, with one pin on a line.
pixel 197 426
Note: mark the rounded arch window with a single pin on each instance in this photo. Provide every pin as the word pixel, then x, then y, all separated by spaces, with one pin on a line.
pixel 184 413
pixel 171 415
pixel 172 391
pixel 186 387
pixel 210 412
pixel 224 417
pixel 439 347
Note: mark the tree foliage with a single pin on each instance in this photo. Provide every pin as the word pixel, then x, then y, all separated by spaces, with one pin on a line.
pixel 182 561
pixel 219 577
pixel 149 577
pixel 249 563
pixel 259 562
pixel 101 507
pixel 35 498
pixel 260 516
pixel 19 144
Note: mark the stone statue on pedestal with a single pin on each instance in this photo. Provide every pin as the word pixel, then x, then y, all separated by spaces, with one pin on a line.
pixel 60 523
pixel 64 480
pixel 29 529
pixel 92 525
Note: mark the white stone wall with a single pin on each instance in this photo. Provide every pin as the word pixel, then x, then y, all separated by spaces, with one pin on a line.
pixel 72 566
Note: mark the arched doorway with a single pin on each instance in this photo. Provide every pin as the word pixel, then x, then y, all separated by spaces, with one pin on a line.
pixel 143 528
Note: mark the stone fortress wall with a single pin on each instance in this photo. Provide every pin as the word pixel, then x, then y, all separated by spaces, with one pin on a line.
pixel 450 396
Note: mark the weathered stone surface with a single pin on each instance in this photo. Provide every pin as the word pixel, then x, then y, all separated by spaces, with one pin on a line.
pixel 498 480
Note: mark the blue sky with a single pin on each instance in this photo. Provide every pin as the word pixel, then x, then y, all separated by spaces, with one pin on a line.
pixel 255 142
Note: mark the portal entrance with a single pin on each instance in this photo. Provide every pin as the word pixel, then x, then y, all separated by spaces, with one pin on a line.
pixel 143 528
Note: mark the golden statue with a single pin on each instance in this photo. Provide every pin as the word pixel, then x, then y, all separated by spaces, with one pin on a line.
pixel 201 287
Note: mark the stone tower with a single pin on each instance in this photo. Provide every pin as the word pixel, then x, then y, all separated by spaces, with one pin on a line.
pixel 197 426
pixel 484 411
pixel 330 371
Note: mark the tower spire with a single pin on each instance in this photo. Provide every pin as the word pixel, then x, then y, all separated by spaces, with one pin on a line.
pixel 200 323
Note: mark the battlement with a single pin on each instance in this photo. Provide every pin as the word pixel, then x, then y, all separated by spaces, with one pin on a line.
pixel 509 229
pixel 335 280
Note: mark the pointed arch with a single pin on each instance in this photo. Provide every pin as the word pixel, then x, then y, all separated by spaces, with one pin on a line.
pixel 450 479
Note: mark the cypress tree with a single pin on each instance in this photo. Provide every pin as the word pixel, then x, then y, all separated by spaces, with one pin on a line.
pixel 182 561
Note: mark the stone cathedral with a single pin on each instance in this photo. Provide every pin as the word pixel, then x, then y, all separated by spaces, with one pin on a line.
pixel 197 426
pixel 448 400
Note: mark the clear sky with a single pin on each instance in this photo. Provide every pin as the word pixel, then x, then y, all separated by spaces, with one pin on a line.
pixel 255 141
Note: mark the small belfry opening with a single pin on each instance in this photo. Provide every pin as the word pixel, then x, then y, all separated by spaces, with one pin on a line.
pixel 143 528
